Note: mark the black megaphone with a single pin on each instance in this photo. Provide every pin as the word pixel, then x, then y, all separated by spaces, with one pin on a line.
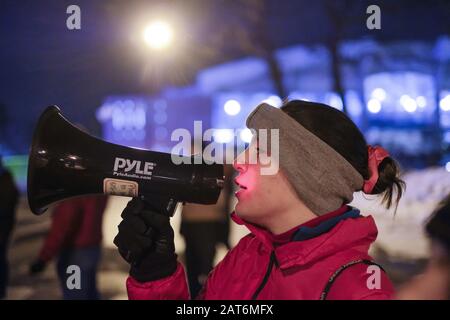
pixel 66 162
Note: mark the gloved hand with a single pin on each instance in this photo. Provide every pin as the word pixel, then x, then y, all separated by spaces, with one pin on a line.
pixel 146 241
pixel 37 266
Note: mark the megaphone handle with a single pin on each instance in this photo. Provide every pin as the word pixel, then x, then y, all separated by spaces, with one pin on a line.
pixel 165 206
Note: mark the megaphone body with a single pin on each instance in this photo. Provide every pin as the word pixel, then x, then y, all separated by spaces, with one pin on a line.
pixel 66 162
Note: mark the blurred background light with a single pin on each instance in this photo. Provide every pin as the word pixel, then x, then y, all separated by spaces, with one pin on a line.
pixel 160 117
pixel 374 106
pixel 232 107
pixel 223 135
pixel 274 101
pixel 161 133
pixel 379 94
pixel 246 135
pixel 408 103
pixel 444 104
pixel 334 100
pixel 421 101
pixel 158 35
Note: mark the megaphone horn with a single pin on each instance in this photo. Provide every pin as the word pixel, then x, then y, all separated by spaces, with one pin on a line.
pixel 66 162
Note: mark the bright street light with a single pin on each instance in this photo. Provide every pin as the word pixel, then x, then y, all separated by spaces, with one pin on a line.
pixel 158 35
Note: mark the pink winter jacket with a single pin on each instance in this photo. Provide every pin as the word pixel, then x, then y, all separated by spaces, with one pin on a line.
pixel 255 269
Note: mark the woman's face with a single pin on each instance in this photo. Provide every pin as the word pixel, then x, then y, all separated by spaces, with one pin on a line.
pixel 260 197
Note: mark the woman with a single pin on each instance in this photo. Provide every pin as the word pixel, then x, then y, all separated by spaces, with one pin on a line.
pixel 305 242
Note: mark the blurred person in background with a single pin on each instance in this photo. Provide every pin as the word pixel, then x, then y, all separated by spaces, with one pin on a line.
pixel 75 237
pixel 203 228
pixel 9 197
pixel 434 282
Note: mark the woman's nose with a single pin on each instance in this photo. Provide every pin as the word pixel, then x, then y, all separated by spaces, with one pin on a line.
pixel 239 167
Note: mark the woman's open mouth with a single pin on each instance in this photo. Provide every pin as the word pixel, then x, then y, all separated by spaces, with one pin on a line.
pixel 242 188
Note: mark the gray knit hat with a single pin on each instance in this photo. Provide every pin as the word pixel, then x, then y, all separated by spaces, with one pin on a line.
pixel 322 178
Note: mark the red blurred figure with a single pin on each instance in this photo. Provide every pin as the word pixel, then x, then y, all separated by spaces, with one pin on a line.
pixel 75 237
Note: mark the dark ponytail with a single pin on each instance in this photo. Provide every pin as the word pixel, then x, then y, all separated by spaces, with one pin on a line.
pixel 339 132
pixel 389 184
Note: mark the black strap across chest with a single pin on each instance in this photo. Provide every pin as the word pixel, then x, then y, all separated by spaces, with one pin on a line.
pixel 333 277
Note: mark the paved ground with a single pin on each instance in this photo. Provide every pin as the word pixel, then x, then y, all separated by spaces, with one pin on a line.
pixel 27 240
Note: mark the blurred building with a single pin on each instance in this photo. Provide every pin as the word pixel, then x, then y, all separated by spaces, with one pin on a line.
pixel 148 122
pixel 398 93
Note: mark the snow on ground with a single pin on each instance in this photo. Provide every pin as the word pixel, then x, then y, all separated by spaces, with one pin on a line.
pixel 402 235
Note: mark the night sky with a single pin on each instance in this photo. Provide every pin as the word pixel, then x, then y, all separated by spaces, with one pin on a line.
pixel 43 63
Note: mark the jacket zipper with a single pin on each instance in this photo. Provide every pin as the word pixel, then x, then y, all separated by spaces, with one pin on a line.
pixel 272 261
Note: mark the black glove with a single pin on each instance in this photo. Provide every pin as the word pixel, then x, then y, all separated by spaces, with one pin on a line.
pixel 146 241
pixel 37 267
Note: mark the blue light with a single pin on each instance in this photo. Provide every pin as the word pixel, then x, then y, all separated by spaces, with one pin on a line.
pixel 160 105
pixel 104 113
pixel 406 98
pixel 127 115
pixel 296 95
pixel 139 134
pixel 444 104
pixel 374 106
pixel 447 137
pixel 274 101
pixel 335 101
pixel 354 106
pixel 160 117
pixel 223 135
pixel 232 107
pixel 118 119
pixel 246 135
pixel 421 101
pixel 161 133
pixel 379 94
pixel 408 103
pixel 447 166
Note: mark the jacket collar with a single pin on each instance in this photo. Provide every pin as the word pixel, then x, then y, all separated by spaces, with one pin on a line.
pixel 357 234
